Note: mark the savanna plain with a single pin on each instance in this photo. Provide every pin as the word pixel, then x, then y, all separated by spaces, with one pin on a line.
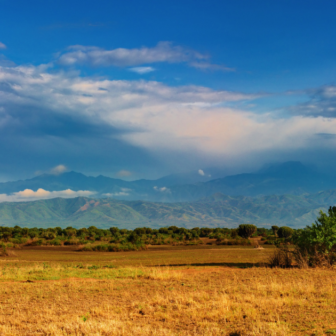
pixel 167 290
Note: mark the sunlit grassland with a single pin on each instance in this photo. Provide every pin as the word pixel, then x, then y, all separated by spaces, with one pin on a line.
pixel 225 291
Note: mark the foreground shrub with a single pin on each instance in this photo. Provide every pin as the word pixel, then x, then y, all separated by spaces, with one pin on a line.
pixel 282 257
pixel 4 252
pixel 317 243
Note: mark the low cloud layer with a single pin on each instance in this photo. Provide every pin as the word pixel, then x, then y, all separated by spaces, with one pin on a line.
pixel 30 195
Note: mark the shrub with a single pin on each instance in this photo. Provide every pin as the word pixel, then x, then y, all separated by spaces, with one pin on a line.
pixel 54 242
pixel 246 230
pixel 285 232
pixel 282 257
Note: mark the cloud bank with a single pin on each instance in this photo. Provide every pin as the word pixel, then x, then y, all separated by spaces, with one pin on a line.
pixel 92 120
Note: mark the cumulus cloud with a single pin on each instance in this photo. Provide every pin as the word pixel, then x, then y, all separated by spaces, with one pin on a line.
pixel 31 195
pixel 2 46
pixel 142 70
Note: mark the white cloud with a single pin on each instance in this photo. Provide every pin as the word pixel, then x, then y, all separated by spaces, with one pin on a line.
pixel 31 195
pixel 206 66
pixel 58 170
pixel 141 70
pixel 162 189
pixel 162 52
pixel 124 173
pixel 193 121
pixel 2 46
pixel 116 194
pixel 123 192
pixel 201 172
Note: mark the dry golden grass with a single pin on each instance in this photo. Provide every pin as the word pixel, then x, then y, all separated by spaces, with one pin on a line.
pixel 172 300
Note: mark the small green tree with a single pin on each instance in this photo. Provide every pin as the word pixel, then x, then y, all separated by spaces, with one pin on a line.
pixel 321 236
pixel 285 232
pixel 246 230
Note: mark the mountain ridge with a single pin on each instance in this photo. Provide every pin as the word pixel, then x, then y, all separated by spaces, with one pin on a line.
pixel 219 210
pixel 287 178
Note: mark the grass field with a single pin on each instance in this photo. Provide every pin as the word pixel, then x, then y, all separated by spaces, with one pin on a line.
pixel 202 290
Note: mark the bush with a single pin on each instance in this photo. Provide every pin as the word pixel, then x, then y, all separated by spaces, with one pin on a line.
pixel 246 230
pixel 282 257
pixel 54 242
pixel 285 232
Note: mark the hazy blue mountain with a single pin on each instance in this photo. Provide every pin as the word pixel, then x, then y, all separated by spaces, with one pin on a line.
pixel 286 178
pixel 218 210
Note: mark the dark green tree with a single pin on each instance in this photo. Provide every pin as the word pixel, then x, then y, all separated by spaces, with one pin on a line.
pixel 285 232
pixel 246 230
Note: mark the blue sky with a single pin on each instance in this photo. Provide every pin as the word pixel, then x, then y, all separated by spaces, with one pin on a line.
pixel 141 89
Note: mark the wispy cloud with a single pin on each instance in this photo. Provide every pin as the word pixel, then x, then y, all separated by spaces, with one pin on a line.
pixel 30 195
pixel 142 70
pixel 2 46
pixel 206 66
pixel 122 57
pixel 57 170
pixel 122 192
pixel 322 103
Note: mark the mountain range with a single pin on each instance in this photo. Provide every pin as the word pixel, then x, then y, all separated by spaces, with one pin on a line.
pixel 283 194
pixel 219 210
pixel 286 178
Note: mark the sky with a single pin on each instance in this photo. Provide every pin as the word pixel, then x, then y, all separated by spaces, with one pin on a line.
pixel 132 89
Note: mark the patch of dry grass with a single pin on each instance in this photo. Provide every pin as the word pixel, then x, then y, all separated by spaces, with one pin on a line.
pixel 188 300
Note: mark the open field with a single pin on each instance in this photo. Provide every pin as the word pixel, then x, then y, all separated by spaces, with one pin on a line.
pixel 202 290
